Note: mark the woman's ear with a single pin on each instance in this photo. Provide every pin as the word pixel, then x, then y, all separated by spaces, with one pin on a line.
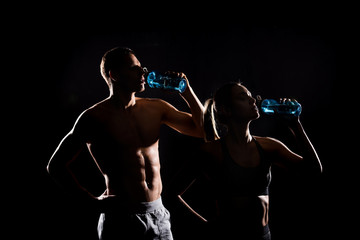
pixel 223 113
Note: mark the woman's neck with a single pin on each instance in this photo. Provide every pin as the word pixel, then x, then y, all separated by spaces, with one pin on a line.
pixel 239 133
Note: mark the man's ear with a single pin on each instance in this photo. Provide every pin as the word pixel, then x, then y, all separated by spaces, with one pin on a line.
pixel 114 75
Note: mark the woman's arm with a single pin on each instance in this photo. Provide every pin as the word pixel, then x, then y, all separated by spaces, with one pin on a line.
pixel 307 159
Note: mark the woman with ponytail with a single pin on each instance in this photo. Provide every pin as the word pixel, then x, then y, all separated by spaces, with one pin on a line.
pixel 239 168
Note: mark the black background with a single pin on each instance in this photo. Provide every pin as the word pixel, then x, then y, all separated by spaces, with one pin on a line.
pixel 55 60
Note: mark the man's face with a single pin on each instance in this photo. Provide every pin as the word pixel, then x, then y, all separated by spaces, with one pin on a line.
pixel 132 75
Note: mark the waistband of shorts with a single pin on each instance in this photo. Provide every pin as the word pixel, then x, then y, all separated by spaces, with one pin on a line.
pixel 117 205
pixel 145 207
pixel 266 229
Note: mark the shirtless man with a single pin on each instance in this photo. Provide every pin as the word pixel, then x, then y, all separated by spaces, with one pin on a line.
pixel 122 135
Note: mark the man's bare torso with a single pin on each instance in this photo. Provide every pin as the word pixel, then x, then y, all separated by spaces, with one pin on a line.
pixel 124 144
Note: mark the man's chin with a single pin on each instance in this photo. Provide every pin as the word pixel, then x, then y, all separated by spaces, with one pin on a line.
pixel 142 89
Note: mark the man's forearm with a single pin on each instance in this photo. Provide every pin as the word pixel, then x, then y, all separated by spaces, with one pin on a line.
pixel 197 109
pixel 67 181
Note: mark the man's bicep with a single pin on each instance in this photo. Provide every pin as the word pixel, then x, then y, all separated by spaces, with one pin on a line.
pixel 66 152
pixel 178 120
pixel 69 147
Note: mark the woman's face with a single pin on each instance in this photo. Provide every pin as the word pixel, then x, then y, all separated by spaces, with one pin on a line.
pixel 243 104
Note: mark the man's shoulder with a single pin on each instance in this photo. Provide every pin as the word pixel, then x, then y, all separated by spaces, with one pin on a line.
pixel 93 112
pixel 98 106
pixel 98 109
pixel 89 118
pixel 149 100
pixel 153 102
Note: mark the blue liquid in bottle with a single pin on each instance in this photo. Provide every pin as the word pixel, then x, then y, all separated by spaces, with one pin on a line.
pixel 157 80
pixel 271 106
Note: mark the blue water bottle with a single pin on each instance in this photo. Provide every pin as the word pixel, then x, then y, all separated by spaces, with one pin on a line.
pixel 271 106
pixel 164 81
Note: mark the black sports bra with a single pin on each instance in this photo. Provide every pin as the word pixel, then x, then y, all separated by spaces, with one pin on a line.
pixel 245 181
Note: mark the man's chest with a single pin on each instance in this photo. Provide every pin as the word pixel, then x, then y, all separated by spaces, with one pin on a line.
pixel 136 129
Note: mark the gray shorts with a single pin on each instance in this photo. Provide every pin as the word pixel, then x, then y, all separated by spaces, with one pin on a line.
pixel 146 220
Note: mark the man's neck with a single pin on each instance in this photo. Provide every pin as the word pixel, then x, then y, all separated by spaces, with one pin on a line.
pixel 123 100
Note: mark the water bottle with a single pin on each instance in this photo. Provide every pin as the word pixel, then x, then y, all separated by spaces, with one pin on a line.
pixel 271 106
pixel 164 81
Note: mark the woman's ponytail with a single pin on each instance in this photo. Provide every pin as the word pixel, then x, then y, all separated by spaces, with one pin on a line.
pixel 216 108
pixel 210 125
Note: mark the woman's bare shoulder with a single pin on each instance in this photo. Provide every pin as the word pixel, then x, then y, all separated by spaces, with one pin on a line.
pixel 268 143
pixel 212 148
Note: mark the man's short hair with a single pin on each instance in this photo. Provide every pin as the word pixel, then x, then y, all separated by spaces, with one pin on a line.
pixel 113 59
